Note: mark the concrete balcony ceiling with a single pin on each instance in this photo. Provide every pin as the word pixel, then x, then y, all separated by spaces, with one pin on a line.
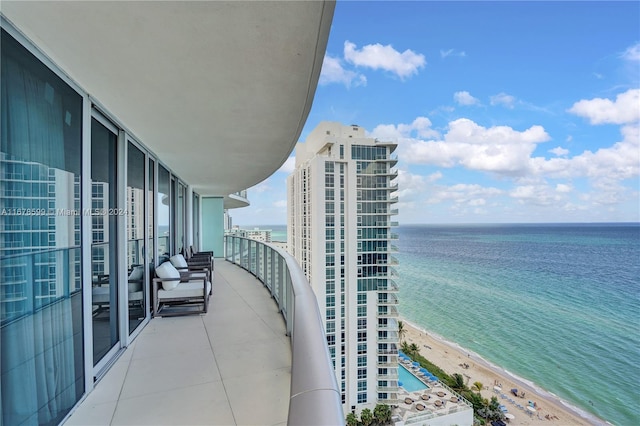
pixel 220 91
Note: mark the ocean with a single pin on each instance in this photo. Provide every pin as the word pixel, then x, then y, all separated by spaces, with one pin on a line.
pixel 555 305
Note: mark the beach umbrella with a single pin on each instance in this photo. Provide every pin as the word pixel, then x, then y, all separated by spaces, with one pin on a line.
pixel 416 364
pixel 509 416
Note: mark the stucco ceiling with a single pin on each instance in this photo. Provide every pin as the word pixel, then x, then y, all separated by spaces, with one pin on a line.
pixel 220 91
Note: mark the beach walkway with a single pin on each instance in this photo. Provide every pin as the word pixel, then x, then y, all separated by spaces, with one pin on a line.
pixel 230 366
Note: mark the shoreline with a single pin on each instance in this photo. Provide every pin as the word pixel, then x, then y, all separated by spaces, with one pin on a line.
pixel 449 356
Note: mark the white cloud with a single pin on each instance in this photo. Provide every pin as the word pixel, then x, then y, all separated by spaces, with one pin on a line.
pixel 615 163
pixel 261 187
pixel 625 109
pixel 503 99
pixel 470 194
pixel 561 187
pixel 541 195
pixel 498 149
pixel 632 53
pixel 377 56
pixel 421 126
pixel 288 165
pixel 334 72
pixel 478 202
pixel 280 204
pixel 452 52
pixel 465 98
pixel 559 151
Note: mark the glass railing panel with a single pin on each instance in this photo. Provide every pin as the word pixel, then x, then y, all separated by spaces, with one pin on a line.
pixel 314 390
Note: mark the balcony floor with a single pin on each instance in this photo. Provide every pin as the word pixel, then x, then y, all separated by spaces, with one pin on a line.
pixel 231 366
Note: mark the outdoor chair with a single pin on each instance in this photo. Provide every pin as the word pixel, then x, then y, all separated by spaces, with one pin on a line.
pixel 178 293
pixel 181 264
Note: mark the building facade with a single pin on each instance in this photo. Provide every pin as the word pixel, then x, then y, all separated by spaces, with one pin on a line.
pixel 340 208
pixel 119 147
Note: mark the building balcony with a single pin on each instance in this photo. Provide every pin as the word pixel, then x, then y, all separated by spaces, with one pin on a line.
pixel 387 299
pixel 388 311
pixel 388 388
pixel 389 363
pixel 389 376
pixel 209 368
pixel 392 260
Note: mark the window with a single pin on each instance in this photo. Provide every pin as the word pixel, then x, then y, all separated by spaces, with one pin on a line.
pixel 328 181
pixel 362 323
pixel 41 122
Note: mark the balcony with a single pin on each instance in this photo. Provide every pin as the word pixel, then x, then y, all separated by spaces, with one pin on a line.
pixel 387 299
pixel 388 311
pixel 234 365
pixel 388 388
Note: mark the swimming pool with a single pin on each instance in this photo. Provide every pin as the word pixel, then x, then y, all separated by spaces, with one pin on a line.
pixel 410 382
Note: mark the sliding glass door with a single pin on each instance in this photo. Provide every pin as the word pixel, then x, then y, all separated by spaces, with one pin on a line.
pixel 104 243
pixel 41 322
pixel 164 222
pixel 136 253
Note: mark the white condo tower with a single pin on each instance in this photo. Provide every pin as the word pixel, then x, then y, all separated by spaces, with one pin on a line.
pixel 340 199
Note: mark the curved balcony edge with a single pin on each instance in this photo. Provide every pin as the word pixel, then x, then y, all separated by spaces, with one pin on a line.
pixel 314 396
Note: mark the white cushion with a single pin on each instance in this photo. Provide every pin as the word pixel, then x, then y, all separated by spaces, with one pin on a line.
pixel 188 289
pixel 167 270
pixel 178 261
pixel 137 273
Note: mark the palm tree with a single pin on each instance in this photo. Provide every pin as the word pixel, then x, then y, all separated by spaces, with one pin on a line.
pixel 457 383
pixel 414 349
pixel 477 386
pixel 401 331
pixel 382 414
pixel 366 417
pixel 352 419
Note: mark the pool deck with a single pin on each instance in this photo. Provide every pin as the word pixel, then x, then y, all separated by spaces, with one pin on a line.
pixel 435 401
pixel 231 366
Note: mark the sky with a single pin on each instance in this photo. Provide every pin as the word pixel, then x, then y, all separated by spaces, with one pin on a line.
pixel 503 112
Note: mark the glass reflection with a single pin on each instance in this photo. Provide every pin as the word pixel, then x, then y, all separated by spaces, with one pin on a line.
pixel 135 236
pixel 104 242
pixel 151 203
pixel 41 340
pixel 180 219
pixel 163 215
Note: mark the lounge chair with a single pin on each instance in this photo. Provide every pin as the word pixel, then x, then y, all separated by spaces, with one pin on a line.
pixel 177 293
pixel 181 264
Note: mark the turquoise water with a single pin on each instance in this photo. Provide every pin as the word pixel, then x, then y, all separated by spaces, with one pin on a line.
pixel 557 305
pixel 410 382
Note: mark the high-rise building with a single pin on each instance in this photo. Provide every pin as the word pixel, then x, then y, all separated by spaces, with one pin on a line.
pixel 340 205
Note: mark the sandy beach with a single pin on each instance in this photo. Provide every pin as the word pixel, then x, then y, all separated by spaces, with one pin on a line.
pixel 549 410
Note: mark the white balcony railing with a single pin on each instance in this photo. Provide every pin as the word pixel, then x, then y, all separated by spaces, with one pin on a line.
pixel 315 396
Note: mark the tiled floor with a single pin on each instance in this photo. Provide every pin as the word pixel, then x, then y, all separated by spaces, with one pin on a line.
pixel 231 366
